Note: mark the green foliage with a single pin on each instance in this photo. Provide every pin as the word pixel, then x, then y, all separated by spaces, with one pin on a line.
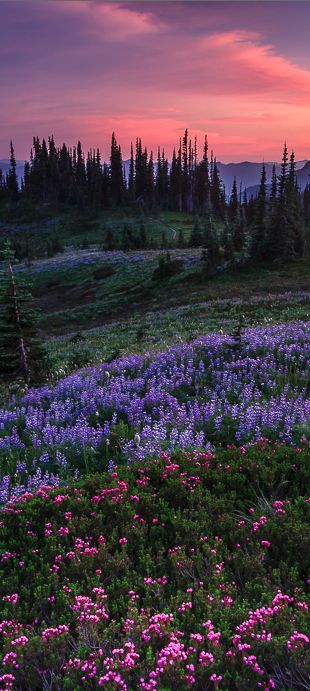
pixel 208 538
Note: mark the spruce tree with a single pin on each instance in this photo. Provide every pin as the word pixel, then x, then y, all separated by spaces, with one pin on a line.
pixel 116 174
pixel 216 191
pixel 21 352
pixel 233 209
pixel 12 183
pixel 185 173
pixel 259 233
pixel 176 182
pixel 196 238
pixel 131 178
pixel 306 212
pixel 210 252
pixel 202 188
pixel 295 213
pixel 227 243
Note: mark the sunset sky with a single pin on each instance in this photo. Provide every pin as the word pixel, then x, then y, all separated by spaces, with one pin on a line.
pixel 239 71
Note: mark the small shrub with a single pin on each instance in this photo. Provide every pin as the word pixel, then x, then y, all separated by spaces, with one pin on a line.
pixel 168 267
pixel 103 272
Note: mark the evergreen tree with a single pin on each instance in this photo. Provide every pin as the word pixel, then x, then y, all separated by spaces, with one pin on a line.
pixel 116 174
pixel 202 187
pixel 12 183
pixel 141 179
pixel 196 237
pixel 3 187
pixel 294 240
pixel 211 250
pixel 150 187
pixel 21 353
pixel 105 187
pixel 233 209
pixel 53 170
pixel 306 212
pixel 227 243
pixel 216 192
pixel 80 177
pixel 131 177
pixel 236 219
pixel 162 181
pixel 185 174
pixel 278 212
pixel 259 233
pixel 176 182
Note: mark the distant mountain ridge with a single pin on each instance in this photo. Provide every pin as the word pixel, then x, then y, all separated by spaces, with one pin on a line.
pixel 248 174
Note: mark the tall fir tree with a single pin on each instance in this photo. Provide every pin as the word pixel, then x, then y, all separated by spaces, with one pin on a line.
pixel 21 352
pixel 259 232
pixel 131 177
pixel 12 182
pixel 116 174
pixel 217 194
pixel 202 187
pixel 176 181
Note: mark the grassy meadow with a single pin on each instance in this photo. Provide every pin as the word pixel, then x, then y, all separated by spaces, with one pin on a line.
pixel 153 489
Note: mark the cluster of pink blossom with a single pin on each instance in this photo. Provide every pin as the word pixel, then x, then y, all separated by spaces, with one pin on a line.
pixel 11 598
pixel 156 581
pixel 297 640
pixel 88 610
pixel 54 632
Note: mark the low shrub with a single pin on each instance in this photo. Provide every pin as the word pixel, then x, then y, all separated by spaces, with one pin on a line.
pixel 187 572
pixel 168 267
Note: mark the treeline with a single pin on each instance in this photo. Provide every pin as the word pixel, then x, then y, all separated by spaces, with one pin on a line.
pixel 65 176
pixel 273 225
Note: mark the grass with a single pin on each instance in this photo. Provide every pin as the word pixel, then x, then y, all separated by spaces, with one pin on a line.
pixel 153 331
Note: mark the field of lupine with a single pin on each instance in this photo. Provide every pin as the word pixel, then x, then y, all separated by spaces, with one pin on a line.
pixel 189 571
pixel 216 390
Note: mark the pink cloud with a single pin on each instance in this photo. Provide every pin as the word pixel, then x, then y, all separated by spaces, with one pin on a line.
pixel 253 65
pixel 113 20
pixel 151 69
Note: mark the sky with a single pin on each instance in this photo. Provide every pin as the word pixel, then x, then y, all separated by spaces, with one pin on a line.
pixel 78 69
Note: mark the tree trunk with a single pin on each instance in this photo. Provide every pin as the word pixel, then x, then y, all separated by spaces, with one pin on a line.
pixel 22 349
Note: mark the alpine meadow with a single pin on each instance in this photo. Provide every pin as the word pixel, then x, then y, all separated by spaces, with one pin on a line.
pixel 154 345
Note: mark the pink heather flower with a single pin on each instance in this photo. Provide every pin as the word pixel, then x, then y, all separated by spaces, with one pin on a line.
pixel 205 659
pixel 11 598
pixel 10 659
pixel 265 543
pixel 123 541
pixel 7 680
pixel 54 632
pixel 302 605
pixel 297 640
pixel 21 641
